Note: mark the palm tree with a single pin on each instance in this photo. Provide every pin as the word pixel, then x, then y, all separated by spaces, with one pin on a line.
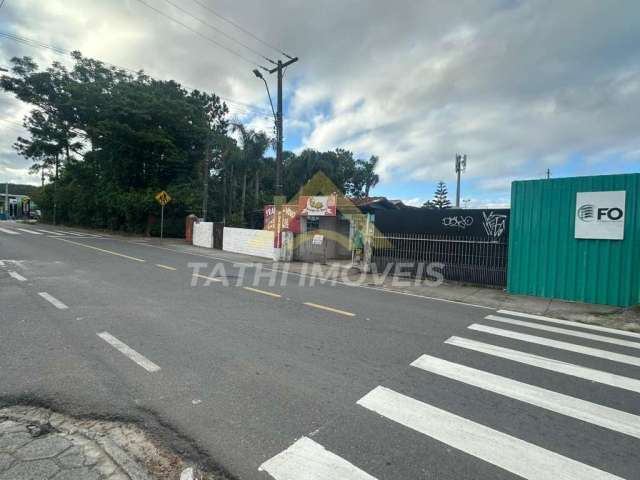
pixel 253 145
pixel 371 178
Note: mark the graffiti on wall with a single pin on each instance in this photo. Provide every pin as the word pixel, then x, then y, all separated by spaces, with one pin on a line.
pixel 457 221
pixel 494 224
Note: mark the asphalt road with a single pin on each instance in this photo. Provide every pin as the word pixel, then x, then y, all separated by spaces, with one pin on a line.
pixel 309 382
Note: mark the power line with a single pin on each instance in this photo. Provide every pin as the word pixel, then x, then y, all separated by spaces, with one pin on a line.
pixel 238 105
pixel 221 32
pixel 33 43
pixel 11 122
pixel 242 29
pixel 200 34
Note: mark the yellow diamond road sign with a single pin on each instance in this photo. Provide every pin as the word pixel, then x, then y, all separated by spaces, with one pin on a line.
pixel 163 198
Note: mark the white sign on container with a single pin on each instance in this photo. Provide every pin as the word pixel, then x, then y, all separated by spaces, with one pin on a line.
pixel 600 215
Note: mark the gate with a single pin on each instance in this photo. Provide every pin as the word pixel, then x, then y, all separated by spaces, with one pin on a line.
pixel 218 231
pixel 464 259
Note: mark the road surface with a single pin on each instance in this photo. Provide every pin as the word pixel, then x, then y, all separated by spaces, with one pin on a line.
pixel 289 381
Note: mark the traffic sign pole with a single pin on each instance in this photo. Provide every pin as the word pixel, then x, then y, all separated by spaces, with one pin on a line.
pixel 162 223
pixel 162 198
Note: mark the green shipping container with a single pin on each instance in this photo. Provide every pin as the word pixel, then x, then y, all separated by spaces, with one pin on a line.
pixel 547 260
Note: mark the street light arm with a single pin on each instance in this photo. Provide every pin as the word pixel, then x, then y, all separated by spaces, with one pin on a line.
pixel 275 117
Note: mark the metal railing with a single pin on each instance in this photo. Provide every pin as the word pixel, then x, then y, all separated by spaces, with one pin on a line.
pixel 464 259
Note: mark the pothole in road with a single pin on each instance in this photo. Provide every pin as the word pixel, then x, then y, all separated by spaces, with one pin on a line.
pixel 38 441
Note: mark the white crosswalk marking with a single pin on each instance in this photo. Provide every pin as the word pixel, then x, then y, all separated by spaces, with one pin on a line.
pixel 600 415
pixel 507 452
pixel 571 347
pixel 586 326
pixel 32 232
pixel 48 232
pixel 564 331
pixel 553 365
pixel 9 232
pixel 308 460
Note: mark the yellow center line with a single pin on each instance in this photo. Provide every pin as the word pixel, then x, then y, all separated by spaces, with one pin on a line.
pixel 166 267
pixel 330 309
pixel 101 250
pixel 207 278
pixel 263 292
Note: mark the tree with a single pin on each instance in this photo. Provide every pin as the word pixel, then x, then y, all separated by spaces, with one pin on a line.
pixel 364 178
pixel 440 197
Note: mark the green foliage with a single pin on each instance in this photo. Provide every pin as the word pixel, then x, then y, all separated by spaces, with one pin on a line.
pixel 108 141
pixel 440 198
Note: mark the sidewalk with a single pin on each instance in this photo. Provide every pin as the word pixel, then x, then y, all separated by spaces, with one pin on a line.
pixel 37 444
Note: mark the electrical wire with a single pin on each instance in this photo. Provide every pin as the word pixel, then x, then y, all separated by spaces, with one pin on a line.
pixel 221 32
pixel 200 34
pixel 11 122
pixel 238 105
pixel 242 29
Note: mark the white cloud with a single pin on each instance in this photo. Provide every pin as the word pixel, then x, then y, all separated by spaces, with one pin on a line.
pixel 520 86
pixel 414 202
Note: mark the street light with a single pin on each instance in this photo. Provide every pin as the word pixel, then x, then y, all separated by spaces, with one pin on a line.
pixel 258 74
pixel 279 69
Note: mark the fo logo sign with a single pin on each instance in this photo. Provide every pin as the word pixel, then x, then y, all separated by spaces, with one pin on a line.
pixel 600 215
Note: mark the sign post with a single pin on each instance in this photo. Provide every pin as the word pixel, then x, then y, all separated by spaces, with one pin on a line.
pixel 162 198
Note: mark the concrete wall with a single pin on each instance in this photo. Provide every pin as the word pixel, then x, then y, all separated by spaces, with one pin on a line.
pixel 203 234
pixel 258 243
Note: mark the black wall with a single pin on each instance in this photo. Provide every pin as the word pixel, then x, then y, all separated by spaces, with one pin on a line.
pixel 485 223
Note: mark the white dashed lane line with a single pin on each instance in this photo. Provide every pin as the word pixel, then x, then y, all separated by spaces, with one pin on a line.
pixel 129 352
pixel 17 276
pixel 32 232
pixel 53 301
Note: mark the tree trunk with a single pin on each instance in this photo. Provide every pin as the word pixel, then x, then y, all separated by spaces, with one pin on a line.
pixel 244 193
pixel 232 192
pixel 55 192
pixel 257 196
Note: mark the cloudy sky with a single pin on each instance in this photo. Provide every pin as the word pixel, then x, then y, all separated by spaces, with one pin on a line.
pixel 520 86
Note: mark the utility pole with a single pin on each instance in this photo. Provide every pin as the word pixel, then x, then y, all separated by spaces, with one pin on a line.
pixel 205 185
pixel 461 166
pixel 6 199
pixel 548 174
pixel 279 69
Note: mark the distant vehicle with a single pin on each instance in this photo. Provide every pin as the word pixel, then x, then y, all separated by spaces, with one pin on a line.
pixel 35 215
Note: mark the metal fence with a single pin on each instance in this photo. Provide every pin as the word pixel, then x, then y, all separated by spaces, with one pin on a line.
pixel 465 259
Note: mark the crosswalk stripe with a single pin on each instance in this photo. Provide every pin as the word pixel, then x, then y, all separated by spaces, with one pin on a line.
pixel 571 347
pixel 509 453
pixel 48 232
pixel 564 331
pixel 308 460
pixel 10 232
pixel 586 326
pixel 557 366
pixel 32 232
pixel 600 415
